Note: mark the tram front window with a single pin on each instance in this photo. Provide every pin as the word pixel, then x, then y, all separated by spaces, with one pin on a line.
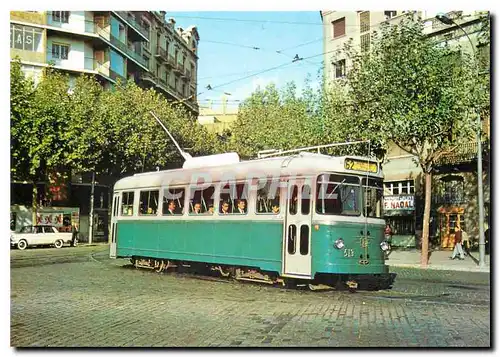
pixel 338 195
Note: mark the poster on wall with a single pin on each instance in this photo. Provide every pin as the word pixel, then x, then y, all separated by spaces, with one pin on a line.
pixel 53 218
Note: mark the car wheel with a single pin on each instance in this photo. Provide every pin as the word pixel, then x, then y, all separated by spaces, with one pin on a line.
pixel 59 243
pixel 22 244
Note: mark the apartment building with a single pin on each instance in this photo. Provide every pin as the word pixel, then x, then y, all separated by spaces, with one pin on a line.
pixel 112 45
pixel 455 180
pixel 172 60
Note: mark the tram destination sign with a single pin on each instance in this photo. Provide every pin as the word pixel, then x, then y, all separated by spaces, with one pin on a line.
pixel 360 165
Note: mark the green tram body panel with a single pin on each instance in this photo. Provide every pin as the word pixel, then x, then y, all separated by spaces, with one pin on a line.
pixel 250 243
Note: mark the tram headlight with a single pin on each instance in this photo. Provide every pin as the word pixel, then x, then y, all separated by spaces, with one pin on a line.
pixel 384 246
pixel 339 243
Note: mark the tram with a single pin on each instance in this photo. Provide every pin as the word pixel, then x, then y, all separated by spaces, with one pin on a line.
pixel 302 218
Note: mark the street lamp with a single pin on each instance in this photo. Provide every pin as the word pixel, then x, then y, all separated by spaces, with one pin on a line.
pixel 448 21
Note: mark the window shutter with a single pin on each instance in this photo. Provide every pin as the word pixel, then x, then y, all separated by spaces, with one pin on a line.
pixel 339 27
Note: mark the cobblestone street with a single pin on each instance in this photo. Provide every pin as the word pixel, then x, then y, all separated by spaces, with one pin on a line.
pixel 80 297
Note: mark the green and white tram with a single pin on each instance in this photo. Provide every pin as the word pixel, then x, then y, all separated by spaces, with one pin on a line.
pixel 302 218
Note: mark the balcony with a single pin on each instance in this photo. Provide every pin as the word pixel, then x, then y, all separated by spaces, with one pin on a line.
pixel 132 22
pixel 449 199
pixel 179 68
pixel 32 17
pixel 171 61
pixel 465 153
pixel 116 76
pixel 124 48
pixel 161 53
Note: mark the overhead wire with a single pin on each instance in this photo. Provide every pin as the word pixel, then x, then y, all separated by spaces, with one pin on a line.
pixel 265 21
pixel 255 74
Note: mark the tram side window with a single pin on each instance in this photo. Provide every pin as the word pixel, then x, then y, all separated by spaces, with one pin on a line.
pixel 306 199
pixel 127 203
pixel 173 201
pixel 268 198
pixel 202 201
pixel 294 195
pixel 233 199
pixel 372 197
pixel 148 202
pixel 338 195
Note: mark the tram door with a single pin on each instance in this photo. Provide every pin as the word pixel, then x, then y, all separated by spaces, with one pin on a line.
pixel 116 205
pixel 297 229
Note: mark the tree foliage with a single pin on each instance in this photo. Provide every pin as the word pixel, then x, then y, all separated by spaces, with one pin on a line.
pixel 413 92
pixel 86 128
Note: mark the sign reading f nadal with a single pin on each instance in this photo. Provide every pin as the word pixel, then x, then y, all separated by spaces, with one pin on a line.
pixel 399 203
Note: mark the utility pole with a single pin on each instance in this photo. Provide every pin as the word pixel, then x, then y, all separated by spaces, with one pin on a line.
pixel 91 215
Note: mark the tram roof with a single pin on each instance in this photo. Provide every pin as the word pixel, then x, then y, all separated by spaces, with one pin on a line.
pixel 301 164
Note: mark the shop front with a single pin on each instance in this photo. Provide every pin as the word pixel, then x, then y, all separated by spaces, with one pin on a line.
pixel 60 217
pixel 399 212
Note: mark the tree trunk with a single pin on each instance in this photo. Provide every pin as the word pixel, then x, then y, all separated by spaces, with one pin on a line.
pixel 34 202
pixel 427 214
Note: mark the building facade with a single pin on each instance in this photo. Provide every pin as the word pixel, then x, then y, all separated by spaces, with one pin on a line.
pixel 112 45
pixel 455 179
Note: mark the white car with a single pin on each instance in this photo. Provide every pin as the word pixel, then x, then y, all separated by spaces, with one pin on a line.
pixel 39 235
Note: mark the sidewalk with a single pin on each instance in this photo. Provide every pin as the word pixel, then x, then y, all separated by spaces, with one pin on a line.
pixel 439 260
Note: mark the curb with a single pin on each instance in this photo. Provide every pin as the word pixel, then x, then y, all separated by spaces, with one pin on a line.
pixel 440 267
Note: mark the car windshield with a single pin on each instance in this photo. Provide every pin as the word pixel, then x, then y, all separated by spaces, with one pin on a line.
pixel 27 229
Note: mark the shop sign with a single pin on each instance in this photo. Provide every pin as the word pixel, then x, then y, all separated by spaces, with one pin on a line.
pixel 400 203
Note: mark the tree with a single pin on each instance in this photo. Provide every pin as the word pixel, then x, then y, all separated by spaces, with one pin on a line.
pixel 273 119
pixel 415 93
pixel 38 119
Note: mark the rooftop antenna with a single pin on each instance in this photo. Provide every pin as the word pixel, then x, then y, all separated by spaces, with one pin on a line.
pixel 185 155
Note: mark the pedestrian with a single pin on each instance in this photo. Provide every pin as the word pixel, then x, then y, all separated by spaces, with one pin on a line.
pixel 458 244
pixel 74 237
pixel 388 233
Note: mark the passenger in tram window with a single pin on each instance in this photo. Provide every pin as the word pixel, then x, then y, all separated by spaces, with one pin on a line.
pixel 197 208
pixel 241 206
pixel 171 207
pixel 276 208
pixel 224 207
pixel 210 209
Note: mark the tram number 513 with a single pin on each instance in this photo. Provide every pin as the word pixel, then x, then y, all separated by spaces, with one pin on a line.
pixel 348 253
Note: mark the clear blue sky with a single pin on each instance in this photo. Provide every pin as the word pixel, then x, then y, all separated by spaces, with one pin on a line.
pixel 220 63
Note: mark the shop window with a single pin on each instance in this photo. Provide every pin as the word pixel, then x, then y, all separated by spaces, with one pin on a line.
pixel 148 202
pixel 233 199
pixel 173 201
pixel 127 204
pixel 202 201
pixel 268 198
pixel 402 225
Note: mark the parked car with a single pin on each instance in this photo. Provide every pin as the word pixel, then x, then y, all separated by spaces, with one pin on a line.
pixel 39 235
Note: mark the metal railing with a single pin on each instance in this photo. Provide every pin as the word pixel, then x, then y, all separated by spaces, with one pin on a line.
pixel 465 153
pixel 133 22
pixel 116 76
pixel 161 52
pixel 122 46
